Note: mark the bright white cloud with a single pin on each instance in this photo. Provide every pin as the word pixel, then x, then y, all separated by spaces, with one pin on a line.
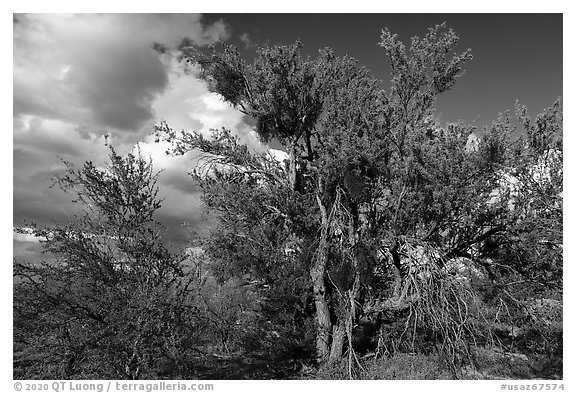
pixel 214 102
pixel 187 104
pixel 27 236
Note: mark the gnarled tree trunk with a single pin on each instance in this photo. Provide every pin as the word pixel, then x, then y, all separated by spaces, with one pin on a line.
pixel 323 323
pixel 317 273
pixel 331 337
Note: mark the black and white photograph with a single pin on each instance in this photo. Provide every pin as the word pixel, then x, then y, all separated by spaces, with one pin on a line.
pixel 287 196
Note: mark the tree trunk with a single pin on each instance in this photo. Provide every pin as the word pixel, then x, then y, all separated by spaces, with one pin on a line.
pixel 293 167
pixel 317 272
pixel 323 324
pixel 343 330
pixel 338 337
pixel 354 292
pixel 394 251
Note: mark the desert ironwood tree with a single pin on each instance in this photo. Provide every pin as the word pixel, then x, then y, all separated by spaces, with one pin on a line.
pixel 114 301
pixel 376 199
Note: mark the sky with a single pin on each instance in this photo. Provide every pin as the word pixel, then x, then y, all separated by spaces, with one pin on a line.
pixel 79 77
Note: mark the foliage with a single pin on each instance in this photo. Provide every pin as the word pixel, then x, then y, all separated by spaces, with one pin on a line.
pixel 115 302
pixel 533 247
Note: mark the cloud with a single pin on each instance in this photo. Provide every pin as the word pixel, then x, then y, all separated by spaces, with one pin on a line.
pixel 38 144
pixel 97 69
pixel 247 41
pixel 27 235
pixel 187 104
pixel 50 135
pixel 28 252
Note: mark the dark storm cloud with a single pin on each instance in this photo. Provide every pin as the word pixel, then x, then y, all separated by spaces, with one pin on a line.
pixel 28 252
pixel 51 137
pixel 97 69
pixel 34 199
pixel 179 226
pixel 119 93
pixel 179 180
